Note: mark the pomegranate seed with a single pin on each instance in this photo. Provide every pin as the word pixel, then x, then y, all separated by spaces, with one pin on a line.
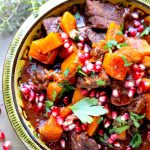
pixel 102 93
pixel 140 28
pixel 114 115
pixel 71 127
pixel 137 82
pixel 65 128
pixel 97 68
pixel 25 90
pixel 64 36
pixel 41 97
pixel 77 123
pixel 84 92
pixel 2 136
pixel 60 120
pixel 7 145
pixel 98 62
pixel 63 143
pixel 99 146
pixel 86 48
pixel 109 140
pixel 117 144
pixel 37 98
pixel 143 87
pixel 115 93
pixel 90 66
pixel 100 132
pixel 84 69
pixel 129 84
pixel 142 67
pixel 83 58
pixel 136 68
pixel 66 100
pixel 102 99
pixel 73 33
pixel 78 129
pixel 39 105
pixel 125 117
pixel 114 136
pixel 80 46
pixel 106 124
pixel 55 111
pixel 81 38
pixel 131 92
pixel 138 75
pixel 92 94
pixel 135 15
pixel 148 136
pixel 97 94
pixel 136 23
pixel 133 33
pixel 70 49
pixel 84 127
pixel 128 148
pixel 66 45
pixel 49 113
pixel 32 96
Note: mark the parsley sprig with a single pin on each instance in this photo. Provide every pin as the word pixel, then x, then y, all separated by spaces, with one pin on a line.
pixel 100 83
pixel 126 63
pixel 145 32
pixel 136 140
pixel 48 104
pixel 79 71
pixel 86 108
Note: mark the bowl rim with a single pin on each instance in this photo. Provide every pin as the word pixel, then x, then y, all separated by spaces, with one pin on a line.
pixel 9 66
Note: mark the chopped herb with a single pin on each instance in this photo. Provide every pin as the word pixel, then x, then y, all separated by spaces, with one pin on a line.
pixel 66 72
pixel 121 27
pixel 77 15
pixel 54 95
pixel 79 71
pixel 136 141
pixel 100 120
pixel 120 33
pixel 93 74
pixel 49 104
pixel 30 58
pixel 126 63
pixel 121 45
pixel 76 38
pixel 100 82
pixel 110 45
pixel 86 108
pixel 145 32
pixel 119 130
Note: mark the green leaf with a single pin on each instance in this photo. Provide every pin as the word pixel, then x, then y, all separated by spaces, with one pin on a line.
pixel 100 83
pixel 54 95
pixel 136 141
pixel 49 104
pixel 79 71
pixel 110 44
pixel 145 32
pixel 119 129
pixel 119 33
pixel 121 27
pixel 30 58
pixel 77 15
pixel 121 45
pixel 86 108
pixel 76 38
pixel 126 63
pixel 100 120
pixel 66 72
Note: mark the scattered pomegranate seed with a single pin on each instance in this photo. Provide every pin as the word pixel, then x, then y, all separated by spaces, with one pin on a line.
pixel 84 127
pixel 70 49
pixel 128 148
pixel 78 129
pixel 133 33
pixel 97 68
pixel 90 66
pixel 63 143
pixel 131 92
pixel 32 96
pixel 142 67
pixel 137 82
pixel 98 62
pixel 39 106
pixel 114 115
pixel 92 94
pixel 86 48
pixel 140 28
pixel 135 15
pixel 55 111
pixel 25 90
pixel 125 117
pixel 102 99
pixel 66 45
pixel 41 97
pixel 2 136
pixel 148 136
pixel 87 55
pixel 64 36
pixel 138 75
pixel 84 92
pixel 106 124
pixel 100 132
pixel 136 68
pixel 37 98
pixel 65 128
pixel 114 136
pixel 66 100
pixel 102 93
pixel 109 140
pixel 115 93
pixel 136 23
pixel 143 87
pixel 80 46
pixel 60 120
pixel 99 146
pixel 7 145
pixel 77 123
pixel 71 127
pixel 81 38
pixel 129 84
pixel 117 144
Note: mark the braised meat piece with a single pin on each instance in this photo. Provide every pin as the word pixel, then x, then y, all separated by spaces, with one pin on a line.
pixel 91 82
pixel 99 14
pixel 137 105
pixel 51 24
pixel 82 142
pixel 123 98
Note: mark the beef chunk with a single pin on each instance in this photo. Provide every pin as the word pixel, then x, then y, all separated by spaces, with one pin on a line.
pixel 82 142
pixel 100 14
pixel 137 105
pixel 91 82
pixel 51 24
pixel 93 36
pixel 123 99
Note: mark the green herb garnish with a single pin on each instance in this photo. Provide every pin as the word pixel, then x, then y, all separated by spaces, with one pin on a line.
pixel 30 58
pixel 136 141
pixel 76 38
pixel 110 44
pixel 49 104
pixel 79 71
pixel 66 72
pixel 145 32
pixel 126 63
pixel 100 83
pixel 119 130
pixel 54 95
pixel 121 45
pixel 77 15
pixel 119 33
pixel 86 108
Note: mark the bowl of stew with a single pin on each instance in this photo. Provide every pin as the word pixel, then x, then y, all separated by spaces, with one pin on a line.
pixel 77 77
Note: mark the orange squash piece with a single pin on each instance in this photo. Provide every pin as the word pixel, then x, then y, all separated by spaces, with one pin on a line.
pixel 146 61
pixel 113 33
pixel 53 89
pixel 65 111
pixel 51 130
pixel 36 53
pixel 93 126
pixel 68 22
pixel 77 95
pixel 70 63
pixel 114 66
pixel 147 105
pixel 122 136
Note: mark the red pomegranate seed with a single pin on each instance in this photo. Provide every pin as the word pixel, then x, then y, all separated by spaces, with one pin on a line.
pixel 100 132
pixel 82 58
pixel 92 94
pixel 84 92
pixel 78 129
pixel 90 67
pixel 25 91
pixel 66 100
pixel 99 146
pixel 63 143
pixel 142 67
pixel 7 145
pixel 41 97
pixel 106 124
pixel 37 98
pixel 97 68
pixel 117 144
pixel 55 111
pixel 114 136
pixel 135 15
pixel 128 148
pixel 65 128
pixel 102 99
pixel 102 93
pixel 129 84
pixel 60 120
pixel 49 113
pixel 109 140
pixel 140 28
pixel 115 93
pixel 71 126
pixel 80 46
pixel 143 87
pixel 84 69
pixel 138 75
pixel 137 82
pixel 114 115
pixel 84 127
pixel 2 136
pixel 86 48
pixel 32 96
pixel 131 92
pixel 125 117
pixel 136 23
pixel 39 105
pixel 77 123
pixel 98 62
pixel 133 33
pixel 148 136
pixel 66 45
pixel 64 36
pixel 97 94
pixel 81 38
pixel 70 49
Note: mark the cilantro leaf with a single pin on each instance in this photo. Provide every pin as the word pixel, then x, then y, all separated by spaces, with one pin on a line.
pixel 145 32
pixel 77 15
pixel 79 71
pixel 109 45
pixel 48 104
pixel 121 45
pixel 66 72
pixel 119 33
pixel 119 130
pixel 126 63
pixel 54 95
pixel 100 82
pixel 86 108
pixel 136 141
